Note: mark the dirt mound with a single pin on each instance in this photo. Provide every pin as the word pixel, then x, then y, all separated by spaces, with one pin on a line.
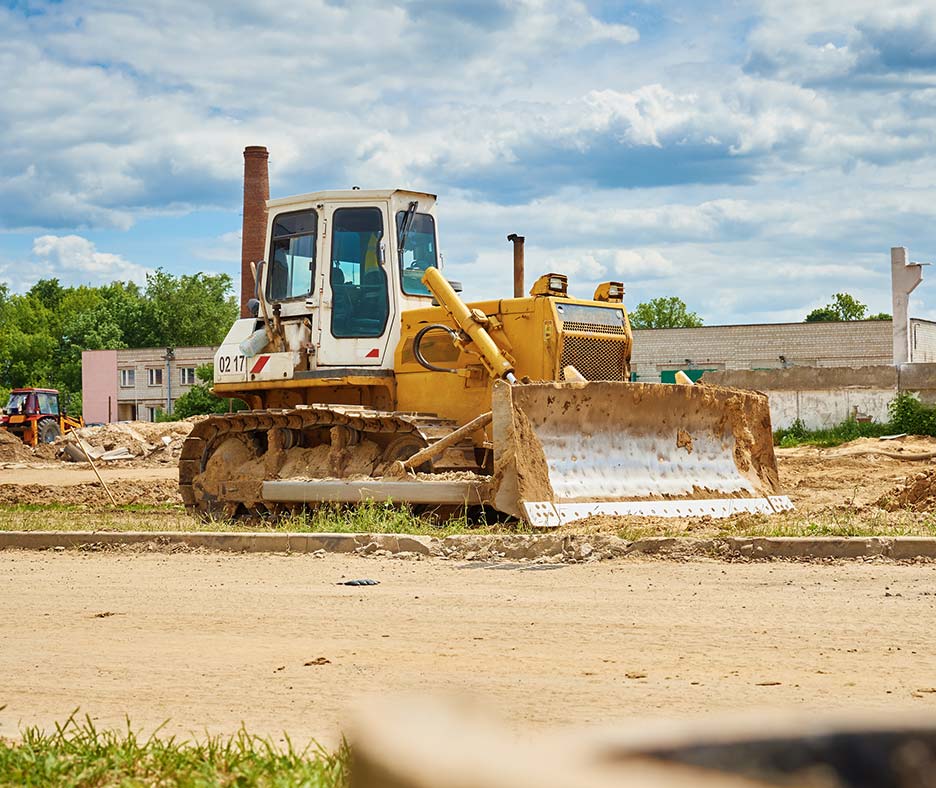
pixel 12 449
pixel 154 492
pixel 918 494
pixel 903 447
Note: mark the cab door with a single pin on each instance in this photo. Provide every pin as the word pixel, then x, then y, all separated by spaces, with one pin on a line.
pixel 358 304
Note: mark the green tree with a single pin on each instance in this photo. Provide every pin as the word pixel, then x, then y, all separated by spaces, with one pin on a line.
pixel 880 316
pixel 199 400
pixel 843 307
pixel 44 330
pixel 195 309
pixel 664 313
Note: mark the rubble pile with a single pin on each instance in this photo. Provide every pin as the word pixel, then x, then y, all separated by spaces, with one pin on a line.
pixel 135 440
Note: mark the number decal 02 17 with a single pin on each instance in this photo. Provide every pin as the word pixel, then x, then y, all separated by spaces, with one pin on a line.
pixel 229 364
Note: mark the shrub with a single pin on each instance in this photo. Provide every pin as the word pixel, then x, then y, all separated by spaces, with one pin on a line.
pixel 909 415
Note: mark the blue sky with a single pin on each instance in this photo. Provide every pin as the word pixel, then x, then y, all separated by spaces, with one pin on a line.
pixel 752 158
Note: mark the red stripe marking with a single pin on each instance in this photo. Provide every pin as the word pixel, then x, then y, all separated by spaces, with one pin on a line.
pixel 261 363
pixel 375 353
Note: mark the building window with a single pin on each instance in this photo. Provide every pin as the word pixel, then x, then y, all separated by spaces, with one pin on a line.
pixel 127 378
pixel 154 376
pixel 187 376
pixel 151 413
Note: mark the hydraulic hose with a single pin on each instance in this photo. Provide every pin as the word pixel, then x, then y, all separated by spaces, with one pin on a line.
pixel 417 351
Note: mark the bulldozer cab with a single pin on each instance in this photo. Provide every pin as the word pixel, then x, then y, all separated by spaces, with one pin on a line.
pixel 343 265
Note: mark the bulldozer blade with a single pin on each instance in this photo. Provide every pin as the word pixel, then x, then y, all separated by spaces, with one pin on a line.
pixel 566 451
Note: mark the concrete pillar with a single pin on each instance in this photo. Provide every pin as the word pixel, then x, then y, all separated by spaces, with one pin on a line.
pixel 253 235
pixel 905 276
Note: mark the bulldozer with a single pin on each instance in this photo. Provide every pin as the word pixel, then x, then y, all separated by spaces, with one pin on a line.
pixel 35 415
pixel 367 377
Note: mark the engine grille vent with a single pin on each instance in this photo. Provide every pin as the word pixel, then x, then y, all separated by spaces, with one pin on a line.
pixel 593 328
pixel 596 358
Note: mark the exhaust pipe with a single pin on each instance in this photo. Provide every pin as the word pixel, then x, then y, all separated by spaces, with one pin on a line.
pixel 253 233
pixel 517 263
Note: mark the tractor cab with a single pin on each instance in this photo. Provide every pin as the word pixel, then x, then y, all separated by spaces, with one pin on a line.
pixel 35 416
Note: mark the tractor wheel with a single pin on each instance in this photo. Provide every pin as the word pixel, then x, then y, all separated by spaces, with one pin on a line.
pixel 49 431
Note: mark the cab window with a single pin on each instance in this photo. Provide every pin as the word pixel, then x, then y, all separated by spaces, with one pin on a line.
pixel 417 251
pixel 360 299
pixel 48 403
pixel 292 256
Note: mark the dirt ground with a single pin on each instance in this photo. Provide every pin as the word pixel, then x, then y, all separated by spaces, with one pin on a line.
pixel 207 641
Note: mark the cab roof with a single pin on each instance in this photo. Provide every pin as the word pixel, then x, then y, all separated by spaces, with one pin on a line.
pixel 346 195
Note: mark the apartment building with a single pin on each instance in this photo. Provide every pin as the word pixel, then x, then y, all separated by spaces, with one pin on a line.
pixel 135 384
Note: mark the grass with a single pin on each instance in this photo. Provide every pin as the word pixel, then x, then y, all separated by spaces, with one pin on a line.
pixel 365 518
pixel 77 754
pixel 379 518
pixel 844 521
pixel 797 435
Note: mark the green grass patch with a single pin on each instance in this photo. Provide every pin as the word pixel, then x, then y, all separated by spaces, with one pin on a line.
pixel 368 517
pixel 76 754
pixel 797 434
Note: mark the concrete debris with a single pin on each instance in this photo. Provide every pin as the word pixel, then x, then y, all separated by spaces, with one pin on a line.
pixel 149 442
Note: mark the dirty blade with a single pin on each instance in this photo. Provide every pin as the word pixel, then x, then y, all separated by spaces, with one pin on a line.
pixel 564 451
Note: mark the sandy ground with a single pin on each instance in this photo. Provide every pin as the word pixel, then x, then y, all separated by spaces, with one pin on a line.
pixel 62 475
pixel 207 641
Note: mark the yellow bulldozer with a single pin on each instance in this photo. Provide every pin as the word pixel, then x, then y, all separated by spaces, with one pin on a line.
pixel 368 378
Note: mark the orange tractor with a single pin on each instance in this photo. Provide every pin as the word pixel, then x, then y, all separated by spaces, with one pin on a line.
pixel 35 415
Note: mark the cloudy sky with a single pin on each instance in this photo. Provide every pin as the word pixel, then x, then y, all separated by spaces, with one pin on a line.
pixel 752 158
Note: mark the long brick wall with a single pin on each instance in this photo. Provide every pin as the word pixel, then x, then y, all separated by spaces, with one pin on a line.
pixel 774 346
pixel 922 341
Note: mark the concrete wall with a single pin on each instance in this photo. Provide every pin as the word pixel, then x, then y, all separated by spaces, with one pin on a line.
pixel 825 397
pixel 99 385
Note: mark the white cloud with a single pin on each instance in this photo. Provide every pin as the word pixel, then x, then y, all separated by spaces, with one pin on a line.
pixel 224 248
pixel 75 260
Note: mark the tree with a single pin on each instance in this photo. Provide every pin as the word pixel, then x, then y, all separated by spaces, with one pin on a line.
pixel 44 331
pixel 844 307
pixel 187 310
pixel 880 316
pixel 664 313
pixel 199 400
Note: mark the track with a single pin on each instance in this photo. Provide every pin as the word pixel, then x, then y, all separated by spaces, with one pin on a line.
pixel 225 459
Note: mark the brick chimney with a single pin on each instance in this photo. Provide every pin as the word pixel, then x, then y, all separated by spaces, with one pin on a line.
pixel 253 236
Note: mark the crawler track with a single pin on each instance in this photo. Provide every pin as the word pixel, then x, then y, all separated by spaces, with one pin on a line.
pixel 345 440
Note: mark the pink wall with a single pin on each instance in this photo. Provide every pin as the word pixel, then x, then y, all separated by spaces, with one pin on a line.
pixel 98 382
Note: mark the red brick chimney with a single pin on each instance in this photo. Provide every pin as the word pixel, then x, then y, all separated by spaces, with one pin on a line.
pixel 253 236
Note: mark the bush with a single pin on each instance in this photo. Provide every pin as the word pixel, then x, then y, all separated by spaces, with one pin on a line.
pixel 910 415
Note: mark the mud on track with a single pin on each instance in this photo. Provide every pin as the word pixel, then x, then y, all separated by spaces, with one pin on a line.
pixel 208 641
